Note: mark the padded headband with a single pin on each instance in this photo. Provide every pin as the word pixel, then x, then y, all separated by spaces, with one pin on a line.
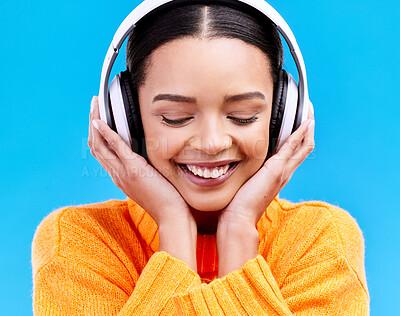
pixel 149 5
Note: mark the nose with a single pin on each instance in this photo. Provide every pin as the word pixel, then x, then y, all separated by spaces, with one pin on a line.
pixel 213 137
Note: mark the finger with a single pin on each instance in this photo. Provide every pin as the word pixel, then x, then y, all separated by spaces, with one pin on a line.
pixel 112 147
pixel 96 142
pixel 276 171
pixel 258 192
pixel 308 144
pixel 308 140
pixel 293 142
pixel 311 111
pixel 90 120
pixel 304 150
pixel 101 148
pixel 93 133
pixel 116 143
pixel 95 111
pixel 113 169
pixel 301 154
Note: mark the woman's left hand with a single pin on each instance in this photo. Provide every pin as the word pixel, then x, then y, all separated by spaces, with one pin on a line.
pixel 237 237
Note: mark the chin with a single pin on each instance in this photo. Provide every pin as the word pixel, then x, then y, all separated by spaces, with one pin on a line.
pixel 208 203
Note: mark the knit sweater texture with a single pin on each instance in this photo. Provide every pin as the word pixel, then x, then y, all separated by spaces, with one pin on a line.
pixel 103 259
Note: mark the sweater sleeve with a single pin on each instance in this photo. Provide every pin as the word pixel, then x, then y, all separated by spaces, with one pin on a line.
pixel 65 288
pixel 328 288
pixel 316 270
pixel 75 273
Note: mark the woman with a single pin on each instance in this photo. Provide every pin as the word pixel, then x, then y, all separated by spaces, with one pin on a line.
pixel 202 231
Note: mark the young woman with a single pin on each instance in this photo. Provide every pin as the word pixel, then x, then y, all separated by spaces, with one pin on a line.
pixel 202 231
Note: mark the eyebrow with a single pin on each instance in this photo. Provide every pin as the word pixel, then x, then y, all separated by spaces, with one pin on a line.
pixel 244 96
pixel 174 98
pixel 227 99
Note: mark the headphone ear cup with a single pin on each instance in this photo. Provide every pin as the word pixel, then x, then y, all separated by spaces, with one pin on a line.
pixel 112 121
pixel 132 112
pixel 117 110
pixel 278 109
pixel 284 111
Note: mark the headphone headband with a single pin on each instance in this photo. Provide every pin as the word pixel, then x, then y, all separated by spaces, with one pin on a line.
pixel 148 6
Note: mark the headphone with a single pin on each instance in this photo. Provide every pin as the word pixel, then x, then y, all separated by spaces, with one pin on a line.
pixel 120 111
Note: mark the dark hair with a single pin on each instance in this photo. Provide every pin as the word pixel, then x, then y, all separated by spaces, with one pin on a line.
pixel 199 20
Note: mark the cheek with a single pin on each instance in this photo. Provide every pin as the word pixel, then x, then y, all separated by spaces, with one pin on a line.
pixel 254 143
pixel 162 144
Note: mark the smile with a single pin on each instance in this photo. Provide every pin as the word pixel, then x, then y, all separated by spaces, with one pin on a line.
pixel 205 172
pixel 209 174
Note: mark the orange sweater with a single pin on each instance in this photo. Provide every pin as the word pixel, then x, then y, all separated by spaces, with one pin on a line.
pixel 103 259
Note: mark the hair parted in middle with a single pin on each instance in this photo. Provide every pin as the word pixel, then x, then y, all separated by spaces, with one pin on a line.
pixel 201 21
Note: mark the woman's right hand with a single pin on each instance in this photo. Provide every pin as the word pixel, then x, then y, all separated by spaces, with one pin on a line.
pixel 146 186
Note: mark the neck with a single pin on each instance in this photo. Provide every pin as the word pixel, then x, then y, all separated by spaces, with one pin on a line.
pixel 207 222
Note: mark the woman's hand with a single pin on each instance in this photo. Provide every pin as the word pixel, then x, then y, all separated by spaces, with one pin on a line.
pixel 146 186
pixel 237 237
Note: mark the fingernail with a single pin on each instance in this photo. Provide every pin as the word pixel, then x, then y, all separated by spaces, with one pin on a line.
pixel 95 124
pixel 311 124
pixel 92 105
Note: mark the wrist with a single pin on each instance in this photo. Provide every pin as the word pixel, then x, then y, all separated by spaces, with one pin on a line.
pixel 179 239
pixel 238 233
pixel 173 215
pixel 237 244
pixel 236 216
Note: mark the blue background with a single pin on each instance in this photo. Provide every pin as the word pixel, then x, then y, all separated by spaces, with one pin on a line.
pixel 51 56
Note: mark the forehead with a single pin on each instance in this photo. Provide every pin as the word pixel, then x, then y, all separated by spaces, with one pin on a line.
pixel 202 60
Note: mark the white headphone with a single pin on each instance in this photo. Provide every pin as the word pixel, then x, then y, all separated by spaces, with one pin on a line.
pixel 292 104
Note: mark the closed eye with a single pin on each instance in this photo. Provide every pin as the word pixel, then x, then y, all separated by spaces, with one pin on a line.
pixel 237 120
pixel 241 121
pixel 175 122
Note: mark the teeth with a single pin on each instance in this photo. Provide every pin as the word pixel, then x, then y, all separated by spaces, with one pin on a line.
pixel 214 174
pixel 226 169
pixel 208 172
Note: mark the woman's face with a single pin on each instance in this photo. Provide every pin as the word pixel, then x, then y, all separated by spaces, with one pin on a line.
pixel 206 106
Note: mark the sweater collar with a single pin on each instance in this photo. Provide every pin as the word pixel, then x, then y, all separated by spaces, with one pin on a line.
pixel 148 229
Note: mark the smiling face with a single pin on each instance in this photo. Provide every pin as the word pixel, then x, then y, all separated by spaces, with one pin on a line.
pixel 205 107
